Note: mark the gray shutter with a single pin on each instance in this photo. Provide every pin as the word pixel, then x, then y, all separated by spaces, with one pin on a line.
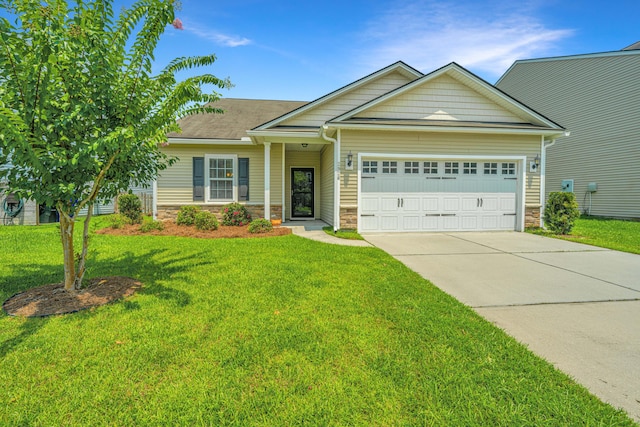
pixel 198 179
pixel 243 179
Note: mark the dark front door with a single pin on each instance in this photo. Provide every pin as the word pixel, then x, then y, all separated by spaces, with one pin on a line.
pixel 301 193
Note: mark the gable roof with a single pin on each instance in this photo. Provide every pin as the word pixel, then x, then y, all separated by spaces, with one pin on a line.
pixel 530 119
pixel 399 66
pixel 239 116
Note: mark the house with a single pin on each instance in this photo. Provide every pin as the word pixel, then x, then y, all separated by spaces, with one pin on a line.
pixel 597 96
pixel 397 150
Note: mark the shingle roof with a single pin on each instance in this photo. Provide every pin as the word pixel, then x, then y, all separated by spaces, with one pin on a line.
pixel 635 46
pixel 239 116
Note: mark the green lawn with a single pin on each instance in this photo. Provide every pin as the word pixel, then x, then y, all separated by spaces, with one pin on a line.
pixel 606 233
pixel 266 332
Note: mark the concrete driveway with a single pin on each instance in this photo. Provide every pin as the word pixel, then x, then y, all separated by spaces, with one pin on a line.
pixel 575 305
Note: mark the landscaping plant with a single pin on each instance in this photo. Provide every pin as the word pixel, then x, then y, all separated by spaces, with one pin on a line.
pixel 81 113
pixel 152 225
pixel 235 214
pixel 205 221
pixel 130 206
pixel 561 212
pixel 187 215
pixel 260 225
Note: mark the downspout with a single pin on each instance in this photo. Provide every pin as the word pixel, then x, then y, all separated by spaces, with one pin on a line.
pixel 336 173
pixel 543 171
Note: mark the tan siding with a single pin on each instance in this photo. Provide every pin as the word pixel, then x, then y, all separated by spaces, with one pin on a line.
pixel 348 101
pixel 443 98
pixel 175 183
pixel 598 100
pixel 436 144
pixel 304 159
pixel 326 184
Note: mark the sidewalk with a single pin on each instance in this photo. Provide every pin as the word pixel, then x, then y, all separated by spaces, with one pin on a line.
pixel 313 230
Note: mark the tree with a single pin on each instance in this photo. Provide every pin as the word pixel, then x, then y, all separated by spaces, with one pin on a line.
pixel 81 115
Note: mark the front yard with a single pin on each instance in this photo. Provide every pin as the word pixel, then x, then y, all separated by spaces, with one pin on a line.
pixel 268 332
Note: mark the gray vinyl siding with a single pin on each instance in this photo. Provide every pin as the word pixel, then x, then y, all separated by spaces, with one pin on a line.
pixel 326 184
pixel 597 98
pixel 423 143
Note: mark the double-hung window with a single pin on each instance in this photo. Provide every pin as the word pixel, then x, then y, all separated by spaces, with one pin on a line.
pixel 220 177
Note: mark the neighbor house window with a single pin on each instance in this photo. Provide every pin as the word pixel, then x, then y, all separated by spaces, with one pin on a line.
pixel 389 166
pixel 451 168
pixel 221 178
pixel 369 166
pixel 411 167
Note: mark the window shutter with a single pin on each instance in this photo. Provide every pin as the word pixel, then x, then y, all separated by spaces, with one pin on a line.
pixel 198 179
pixel 243 179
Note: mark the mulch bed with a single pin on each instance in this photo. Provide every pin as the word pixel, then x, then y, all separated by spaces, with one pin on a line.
pixel 53 299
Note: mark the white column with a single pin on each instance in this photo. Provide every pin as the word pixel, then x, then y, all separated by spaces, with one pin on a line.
pixel 284 199
pixel 267 180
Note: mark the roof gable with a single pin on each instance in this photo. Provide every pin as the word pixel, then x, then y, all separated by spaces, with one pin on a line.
pixel 317 112
pixel 450 94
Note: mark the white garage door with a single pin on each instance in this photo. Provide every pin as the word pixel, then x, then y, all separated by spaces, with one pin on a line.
pixel 438 195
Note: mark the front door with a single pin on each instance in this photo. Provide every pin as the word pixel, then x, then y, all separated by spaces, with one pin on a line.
pixel 302 193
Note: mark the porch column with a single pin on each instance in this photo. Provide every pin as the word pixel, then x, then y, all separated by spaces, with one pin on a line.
pixel 267 180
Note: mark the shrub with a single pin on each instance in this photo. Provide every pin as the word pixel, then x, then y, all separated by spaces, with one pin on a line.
pixel 260 226
pixel 205 221
pixel 235 214
pixel 130 206
pixel 187 214
pixel 151 226
pixel 561 212
pixel 117 221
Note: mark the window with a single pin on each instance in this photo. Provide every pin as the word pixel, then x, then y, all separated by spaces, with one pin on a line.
pixel 430 167
pixel 411 167
pixel 508 169
pixel 451 168
pixel 491 168
pixel 470 168
pixel 370 166
pixel 221 178
pixel 389 166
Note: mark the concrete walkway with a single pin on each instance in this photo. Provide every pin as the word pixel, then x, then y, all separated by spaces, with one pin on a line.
pixel 313 230
pixel 575 305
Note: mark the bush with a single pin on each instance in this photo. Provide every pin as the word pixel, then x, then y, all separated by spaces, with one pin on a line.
pixel 151 226
pixel 129 205
pixel 260 226
pixel 205 221
pixel 235 214
pixel 117 221
pixel 561 212
pixel 187 215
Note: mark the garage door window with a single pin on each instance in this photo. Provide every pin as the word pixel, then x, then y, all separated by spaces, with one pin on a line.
pixel 389 166
pixel 470 168
pixel 370 166
pixel 451 168
pixel 490 168
pixel 431 168
pixel 412 167
pixel 508 169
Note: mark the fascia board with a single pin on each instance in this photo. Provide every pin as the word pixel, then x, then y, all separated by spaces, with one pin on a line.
pixel 207 141
pixel 282 134
pixel 338 92
pixel 450 129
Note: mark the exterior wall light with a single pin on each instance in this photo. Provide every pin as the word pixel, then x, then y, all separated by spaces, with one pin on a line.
pixel 305 145
pixel 349 161
pixel 534 166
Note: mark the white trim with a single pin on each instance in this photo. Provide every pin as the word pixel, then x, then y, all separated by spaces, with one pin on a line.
pixel 453 128
pixel 283 134
pixel 284 172
pixel 336 215
pixel 267 180
pixel 208 141
pixel 207 178
pixel 519 159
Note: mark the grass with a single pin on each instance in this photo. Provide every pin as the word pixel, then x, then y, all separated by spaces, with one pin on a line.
pixel 348 234
pixel 265 332
pixel 608 233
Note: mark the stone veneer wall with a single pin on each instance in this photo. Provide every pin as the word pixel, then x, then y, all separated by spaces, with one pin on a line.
pixel 349 218
pixel 532 216
pixel 257 211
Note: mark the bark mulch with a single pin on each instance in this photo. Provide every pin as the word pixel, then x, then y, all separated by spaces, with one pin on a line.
pixel 52 299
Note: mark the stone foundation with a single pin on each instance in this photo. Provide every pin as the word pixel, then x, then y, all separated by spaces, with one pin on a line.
pixel 166 212
pixel 532 216
pixel 349 218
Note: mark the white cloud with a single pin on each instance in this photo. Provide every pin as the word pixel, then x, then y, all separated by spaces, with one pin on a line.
pixel 485 37
pixel 216 37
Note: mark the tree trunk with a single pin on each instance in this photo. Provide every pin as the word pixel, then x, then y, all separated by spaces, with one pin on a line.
pixel 85 248
pixel 66 235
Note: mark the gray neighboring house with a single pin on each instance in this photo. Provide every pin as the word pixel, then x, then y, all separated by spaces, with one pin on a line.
pixel 597 97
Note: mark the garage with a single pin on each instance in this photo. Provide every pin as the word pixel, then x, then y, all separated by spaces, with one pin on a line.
pixel 439 194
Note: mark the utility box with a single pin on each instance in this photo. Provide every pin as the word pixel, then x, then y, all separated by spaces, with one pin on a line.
pixel 592 187
pixel 567 186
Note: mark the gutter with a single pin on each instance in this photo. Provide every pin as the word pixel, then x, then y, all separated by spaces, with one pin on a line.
pixel 336 172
